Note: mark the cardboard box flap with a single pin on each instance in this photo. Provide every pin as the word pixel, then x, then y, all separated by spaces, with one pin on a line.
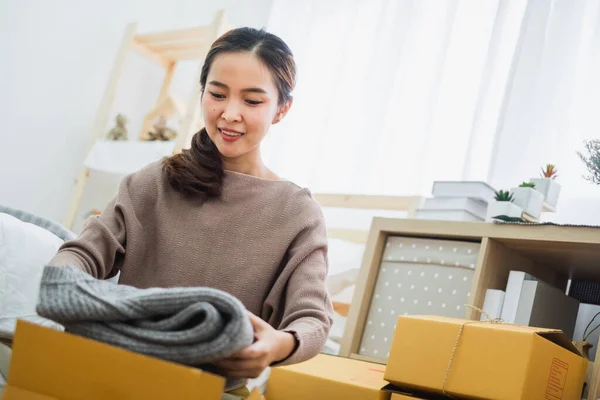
pixel 485 324
pixel 556 336
pixel 65 366
pixel 559 338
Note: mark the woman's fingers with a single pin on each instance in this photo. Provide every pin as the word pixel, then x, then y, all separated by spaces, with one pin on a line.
pixel 257 349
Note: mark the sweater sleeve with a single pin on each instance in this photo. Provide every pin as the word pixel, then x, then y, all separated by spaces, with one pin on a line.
pixel 304 308
pixel 100 247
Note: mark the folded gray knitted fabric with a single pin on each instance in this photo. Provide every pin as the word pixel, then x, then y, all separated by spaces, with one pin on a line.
pixel 192 326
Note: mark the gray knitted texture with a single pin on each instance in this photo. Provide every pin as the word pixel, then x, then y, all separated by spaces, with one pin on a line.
pixel 190 326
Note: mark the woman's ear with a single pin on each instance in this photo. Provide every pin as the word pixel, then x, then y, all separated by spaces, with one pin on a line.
pixel 282 112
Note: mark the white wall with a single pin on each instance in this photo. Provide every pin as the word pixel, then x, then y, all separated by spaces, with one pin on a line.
pixel 55 60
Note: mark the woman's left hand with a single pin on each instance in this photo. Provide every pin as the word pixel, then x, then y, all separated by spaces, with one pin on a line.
pixel 270 346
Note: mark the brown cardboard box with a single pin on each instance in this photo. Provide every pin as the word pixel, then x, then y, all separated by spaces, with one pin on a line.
pixel 51 365
pixel 489 360
pixel 256 395
pixel 401 396
pixel 399 393
pixel 328 377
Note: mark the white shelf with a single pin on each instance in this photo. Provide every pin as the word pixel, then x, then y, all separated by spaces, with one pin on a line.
pixel 127 156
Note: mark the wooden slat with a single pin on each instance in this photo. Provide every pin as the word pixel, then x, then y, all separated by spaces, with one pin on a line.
pixel 372 202
pixel 365 284
pixel 166 84
pixel 149 119
pixel 180 55
pixel 351 235
pixel 155 39
pixel 146 52
pixel 183 45
pixel 476 230
pixel 481 276
pixel 101 120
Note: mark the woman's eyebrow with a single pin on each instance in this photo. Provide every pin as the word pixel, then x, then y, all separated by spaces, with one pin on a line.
pixel 219 84
pixel 255 90
pixel 251 90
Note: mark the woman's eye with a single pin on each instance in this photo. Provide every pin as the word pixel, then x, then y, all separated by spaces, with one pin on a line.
pixel 217 95
pixel 253 102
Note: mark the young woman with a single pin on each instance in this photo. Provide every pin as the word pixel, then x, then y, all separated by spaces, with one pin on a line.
pixel 216 216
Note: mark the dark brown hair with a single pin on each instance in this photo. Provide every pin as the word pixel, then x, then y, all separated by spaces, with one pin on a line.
pixel 199 170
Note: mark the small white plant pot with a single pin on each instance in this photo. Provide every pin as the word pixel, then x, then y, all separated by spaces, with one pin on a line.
pixel 530 200
pixel 549 188
pixel 503 208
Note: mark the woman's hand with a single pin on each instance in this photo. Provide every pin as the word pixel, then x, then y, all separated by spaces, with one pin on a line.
pixel 270 346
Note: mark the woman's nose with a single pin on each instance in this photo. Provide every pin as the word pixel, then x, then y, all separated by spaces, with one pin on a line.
pixel 231 113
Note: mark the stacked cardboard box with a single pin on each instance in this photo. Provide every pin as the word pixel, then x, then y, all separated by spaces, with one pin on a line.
pixel 436 357
pixel 474 359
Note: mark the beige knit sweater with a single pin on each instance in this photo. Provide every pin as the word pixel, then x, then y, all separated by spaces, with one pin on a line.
pixel 262 241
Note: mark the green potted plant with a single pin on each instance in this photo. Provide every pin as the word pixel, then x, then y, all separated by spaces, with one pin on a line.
pixel 503 207
pixel 529 199
pixel 547 184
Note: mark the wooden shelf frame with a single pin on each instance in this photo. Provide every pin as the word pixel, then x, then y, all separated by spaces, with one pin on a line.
pixel 553 253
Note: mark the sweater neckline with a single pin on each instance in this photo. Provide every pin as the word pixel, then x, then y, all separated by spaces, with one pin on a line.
pixel 247 176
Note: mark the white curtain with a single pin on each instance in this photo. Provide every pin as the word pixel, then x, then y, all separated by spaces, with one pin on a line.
pixel 553 103
pixel 393 94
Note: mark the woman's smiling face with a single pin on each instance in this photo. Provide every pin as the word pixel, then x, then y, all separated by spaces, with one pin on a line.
pixel 239 104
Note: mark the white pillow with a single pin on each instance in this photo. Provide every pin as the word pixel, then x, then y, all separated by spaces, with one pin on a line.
pixel 24 251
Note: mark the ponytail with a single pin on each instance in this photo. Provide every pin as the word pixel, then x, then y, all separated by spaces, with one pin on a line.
pixel 197 170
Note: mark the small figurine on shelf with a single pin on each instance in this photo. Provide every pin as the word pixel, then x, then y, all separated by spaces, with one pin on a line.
pixel 161 131
pixel 119 132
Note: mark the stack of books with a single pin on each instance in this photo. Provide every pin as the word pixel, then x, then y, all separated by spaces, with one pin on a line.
pixel 529 301
pixel 457 201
